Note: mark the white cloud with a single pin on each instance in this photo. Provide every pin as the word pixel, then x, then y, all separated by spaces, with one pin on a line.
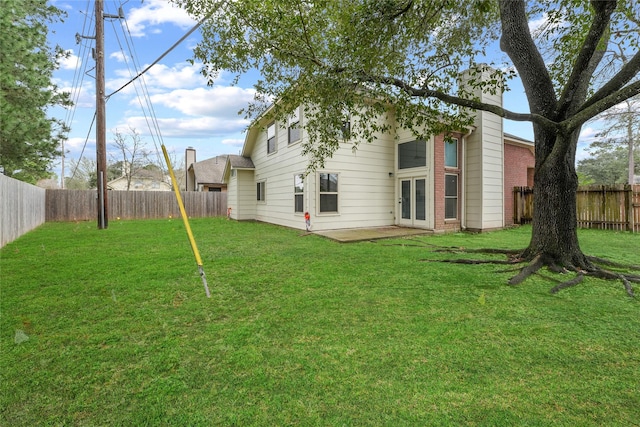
pixel 159 78
pixel 587 136
pixel 76 144
pixel 233 142
pixel 85 98
pixel 536 24
pixel 588 133
pixel 190 127
pixel 119 56
pixel 218 101
pixel 179 76
pixel 71 62
pixel 156 12
pixel 544 23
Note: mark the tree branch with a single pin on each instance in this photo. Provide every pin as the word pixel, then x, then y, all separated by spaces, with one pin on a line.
pixel 516 42
pixel 590 110
pixel 585 63
pixel 462 102
pixel 624 76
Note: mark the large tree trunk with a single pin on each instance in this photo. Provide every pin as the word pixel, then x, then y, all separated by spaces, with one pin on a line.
pixel 554 236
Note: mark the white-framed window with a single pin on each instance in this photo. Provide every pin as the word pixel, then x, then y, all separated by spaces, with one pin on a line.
pixel 451 152
pixel 342 130
pixel 298 193
pixel 328 190
pixel 271 138
pixel 412 154
pixel 294 130
pixel 346 127
pixel 450 196
pixel 261 191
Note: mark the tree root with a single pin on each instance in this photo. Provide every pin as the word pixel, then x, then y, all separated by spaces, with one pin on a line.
pixel 567 284
pixel 626 279
pixel 602 261
pixel 470 261
pixel 534 265
pixel 527 271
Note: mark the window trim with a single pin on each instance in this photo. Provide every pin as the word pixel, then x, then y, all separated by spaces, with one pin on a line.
pixel 321 193
pixel 345 129
pixel 294 124
pixel 261 191
pixel 456 197
pixel 272 149
pixel 297 193
pixel 457 144
pixel 415 141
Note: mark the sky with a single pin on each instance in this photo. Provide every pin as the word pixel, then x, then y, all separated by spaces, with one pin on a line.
pixel 179 103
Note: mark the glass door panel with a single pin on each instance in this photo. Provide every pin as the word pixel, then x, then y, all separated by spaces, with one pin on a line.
pixel 406 199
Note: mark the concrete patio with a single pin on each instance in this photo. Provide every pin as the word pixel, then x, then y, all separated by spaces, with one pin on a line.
pixel 373 233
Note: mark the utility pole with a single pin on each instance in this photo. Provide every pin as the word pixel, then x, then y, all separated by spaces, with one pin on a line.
pixel 101 129
pixel 101 126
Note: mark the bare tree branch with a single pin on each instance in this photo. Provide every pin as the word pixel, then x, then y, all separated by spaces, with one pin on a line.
pixel 625 75
pixel 585 63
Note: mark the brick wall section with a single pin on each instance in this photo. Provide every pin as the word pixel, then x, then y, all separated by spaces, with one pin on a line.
pixel 439 173
pixel 519 162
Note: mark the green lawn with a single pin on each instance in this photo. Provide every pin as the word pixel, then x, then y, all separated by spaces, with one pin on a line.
pixel 301 330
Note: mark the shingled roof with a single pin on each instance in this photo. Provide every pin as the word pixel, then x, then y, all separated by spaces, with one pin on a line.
pixel 241 162
pixel 211 171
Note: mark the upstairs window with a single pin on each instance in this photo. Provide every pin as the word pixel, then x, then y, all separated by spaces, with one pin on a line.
pixel 294 126
pixel 346 127
pixel 412 154
pixel 451 153
pixel 271 138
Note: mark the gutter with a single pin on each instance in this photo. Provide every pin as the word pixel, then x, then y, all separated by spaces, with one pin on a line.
pixel 463 208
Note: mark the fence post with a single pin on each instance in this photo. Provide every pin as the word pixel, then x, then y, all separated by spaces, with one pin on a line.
pixel 628 195
pixel 516 206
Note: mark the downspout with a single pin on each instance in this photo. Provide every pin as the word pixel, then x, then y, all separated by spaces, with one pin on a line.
pixel 463 198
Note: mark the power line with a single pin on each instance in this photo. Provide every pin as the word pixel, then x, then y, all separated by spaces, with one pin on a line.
pixel 163 55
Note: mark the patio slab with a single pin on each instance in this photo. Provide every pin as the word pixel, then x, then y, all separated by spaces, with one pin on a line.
pixel 373 233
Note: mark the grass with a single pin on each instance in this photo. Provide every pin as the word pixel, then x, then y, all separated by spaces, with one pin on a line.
pixel 305 331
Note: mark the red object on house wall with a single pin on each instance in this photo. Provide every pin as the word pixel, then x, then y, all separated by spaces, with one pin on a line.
pixel 519 164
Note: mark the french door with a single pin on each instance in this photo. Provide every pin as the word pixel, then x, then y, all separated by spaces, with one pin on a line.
pixel 413 202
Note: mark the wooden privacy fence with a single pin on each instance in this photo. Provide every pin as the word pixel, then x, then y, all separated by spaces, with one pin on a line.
pixel 606 207
pixel 22 208
pixel 82 205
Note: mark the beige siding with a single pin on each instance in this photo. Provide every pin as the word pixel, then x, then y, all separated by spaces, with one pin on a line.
pixel 232 195
pixel 366 191
pixel 484 157
pixel 245 195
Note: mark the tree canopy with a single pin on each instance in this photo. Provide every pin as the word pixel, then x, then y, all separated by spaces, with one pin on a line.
pixel 29 140
pixel 343 55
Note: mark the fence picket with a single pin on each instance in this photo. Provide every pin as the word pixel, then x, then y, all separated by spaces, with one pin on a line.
pixel 606 207
pixel 81 205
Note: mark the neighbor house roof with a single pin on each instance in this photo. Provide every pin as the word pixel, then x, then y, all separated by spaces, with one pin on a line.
pixel 210 171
